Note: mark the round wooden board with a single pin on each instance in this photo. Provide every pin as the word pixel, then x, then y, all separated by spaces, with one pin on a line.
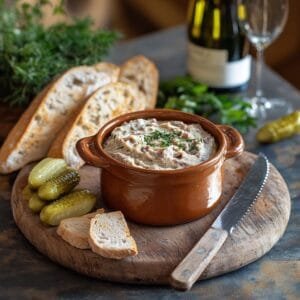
pixel 162 248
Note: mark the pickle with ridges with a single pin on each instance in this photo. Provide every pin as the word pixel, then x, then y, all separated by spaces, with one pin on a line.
pixel 75 204
pixel 58 186
pixel 36 204
pixel 280 129
pixel 27 192
pixel 45 170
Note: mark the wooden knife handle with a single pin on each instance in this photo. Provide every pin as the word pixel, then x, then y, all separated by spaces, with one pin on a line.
pixel 192 266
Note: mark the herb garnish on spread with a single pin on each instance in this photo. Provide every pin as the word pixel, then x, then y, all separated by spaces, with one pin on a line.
pixel 160 145
pixel 166 139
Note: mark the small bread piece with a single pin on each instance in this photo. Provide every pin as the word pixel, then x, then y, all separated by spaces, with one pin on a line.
pixel 141 71
pixel 110 237
pixel 103 105
pixel 31 137
pixel 75 231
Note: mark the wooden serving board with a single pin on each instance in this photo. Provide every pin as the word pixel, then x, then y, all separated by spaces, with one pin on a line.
pixel 162 248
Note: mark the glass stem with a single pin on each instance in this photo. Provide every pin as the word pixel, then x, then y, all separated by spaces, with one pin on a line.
pixel 259 64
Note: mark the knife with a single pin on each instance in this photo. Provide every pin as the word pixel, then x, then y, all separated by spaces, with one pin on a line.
pixel 196 261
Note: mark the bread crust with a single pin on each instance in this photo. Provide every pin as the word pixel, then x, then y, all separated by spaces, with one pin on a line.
pixel 112 253
pixel 111 69
pixel 56 148
pixel 76 239
pixel 149 72
pixel 14 137
pixel 21 138
pixel 61 147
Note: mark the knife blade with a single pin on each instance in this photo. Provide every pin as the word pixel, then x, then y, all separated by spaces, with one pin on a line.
pixel 245 196
pixel 196 261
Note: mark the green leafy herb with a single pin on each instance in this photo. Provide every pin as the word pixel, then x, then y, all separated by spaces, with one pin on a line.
pixel 188 95
pixel 31 55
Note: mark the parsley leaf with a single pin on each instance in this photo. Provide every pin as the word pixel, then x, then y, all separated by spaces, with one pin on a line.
pixel 188 95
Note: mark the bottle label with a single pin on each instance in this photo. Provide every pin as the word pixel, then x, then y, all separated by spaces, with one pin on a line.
pixel 211 66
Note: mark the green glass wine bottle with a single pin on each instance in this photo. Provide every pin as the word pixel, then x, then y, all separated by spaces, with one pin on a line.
pixel 218 52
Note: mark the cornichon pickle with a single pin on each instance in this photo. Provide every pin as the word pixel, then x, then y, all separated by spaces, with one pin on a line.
pixel 27 192
pixel 75 204
pixel 56 187
pixel 280 129
pixel 35 203
pixel 46 169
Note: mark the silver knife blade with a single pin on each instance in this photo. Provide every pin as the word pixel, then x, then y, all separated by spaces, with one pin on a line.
pixel 245 196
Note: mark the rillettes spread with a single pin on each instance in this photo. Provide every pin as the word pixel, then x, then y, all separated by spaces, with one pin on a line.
pixel 160 145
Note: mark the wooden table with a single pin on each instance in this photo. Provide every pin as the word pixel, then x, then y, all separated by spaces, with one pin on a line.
pixel 26 274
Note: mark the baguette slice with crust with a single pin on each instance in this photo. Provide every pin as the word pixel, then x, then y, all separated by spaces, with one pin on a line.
pixel 106 103
pixel 31 137
pixel 110 237
pixel 75 231
pixel 141 71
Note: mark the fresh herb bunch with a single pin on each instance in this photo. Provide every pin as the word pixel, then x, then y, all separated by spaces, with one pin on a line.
pixel 31 55
pixel 188 95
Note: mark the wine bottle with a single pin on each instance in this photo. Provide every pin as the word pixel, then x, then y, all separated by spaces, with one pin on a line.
pixel 218 52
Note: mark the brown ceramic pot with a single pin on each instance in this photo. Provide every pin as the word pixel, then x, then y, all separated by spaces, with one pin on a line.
pixel 162 197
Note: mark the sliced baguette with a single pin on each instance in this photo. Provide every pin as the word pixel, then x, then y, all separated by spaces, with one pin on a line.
pixel 110 69
pixel 141 71
pixel 31 137
pixel 106 103
pixel 110 237
pixel 75 231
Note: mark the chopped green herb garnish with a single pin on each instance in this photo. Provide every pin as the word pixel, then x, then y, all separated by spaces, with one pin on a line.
pixel 159 138
pixel 165 139
pixel 193 146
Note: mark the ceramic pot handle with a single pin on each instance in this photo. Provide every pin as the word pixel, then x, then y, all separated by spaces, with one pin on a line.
pixel 88 152
pixel 235 142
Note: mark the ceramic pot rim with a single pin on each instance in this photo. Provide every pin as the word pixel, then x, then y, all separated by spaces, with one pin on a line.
pixel 163 114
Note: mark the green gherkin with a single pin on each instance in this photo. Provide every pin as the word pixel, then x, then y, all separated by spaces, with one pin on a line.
pixel 45 170
pixel 280 129
pixel 27 192
pixel 35 203
pixel 60 185
pixel 75 204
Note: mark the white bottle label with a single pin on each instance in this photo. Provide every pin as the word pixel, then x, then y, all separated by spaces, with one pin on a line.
pixel 210 66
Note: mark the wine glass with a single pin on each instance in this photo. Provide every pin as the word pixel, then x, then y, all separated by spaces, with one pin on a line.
pixel 262 21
